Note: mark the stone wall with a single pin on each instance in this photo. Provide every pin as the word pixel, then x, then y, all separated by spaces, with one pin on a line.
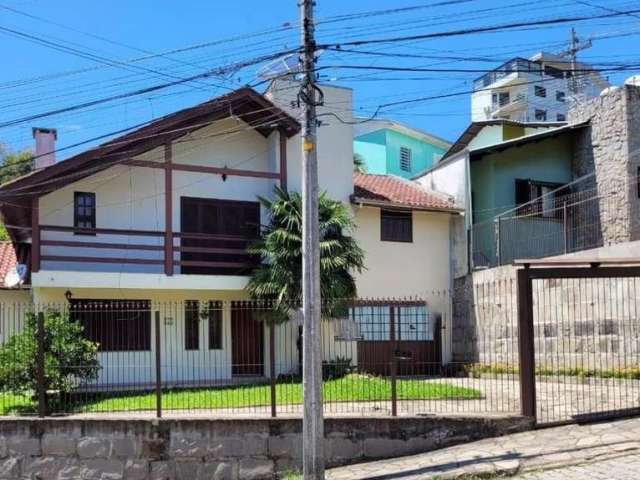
pixel 610 147
pixel 198 449
pixel 586 323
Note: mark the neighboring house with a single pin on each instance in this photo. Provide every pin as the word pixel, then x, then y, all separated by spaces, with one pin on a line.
pixel 498 165
pixel 535 90
pixel 494 166
pixel 165 213
pixel 389 147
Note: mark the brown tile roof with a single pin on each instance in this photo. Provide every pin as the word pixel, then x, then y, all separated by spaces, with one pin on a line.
pixel 395 191
pixel 9 254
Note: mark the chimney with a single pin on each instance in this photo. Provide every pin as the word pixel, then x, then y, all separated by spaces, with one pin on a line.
pixel 45 147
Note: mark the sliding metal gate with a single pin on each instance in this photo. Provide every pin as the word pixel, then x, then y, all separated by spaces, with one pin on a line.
pixel 579 338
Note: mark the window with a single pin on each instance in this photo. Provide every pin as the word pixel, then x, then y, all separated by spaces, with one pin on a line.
pixel 547 196
pixel 500 99
pixel 539 91
pixel 84 211
pixel 191 325
pixel 396 226
pixel 405 159
pixel 560 96
pixel 561 117
pixel 411 321
pixel 228 225
pixel 541 115
pixel 215 325
pixel 115 325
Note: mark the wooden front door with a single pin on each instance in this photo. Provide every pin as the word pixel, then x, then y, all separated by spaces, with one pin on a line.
pixel 247 341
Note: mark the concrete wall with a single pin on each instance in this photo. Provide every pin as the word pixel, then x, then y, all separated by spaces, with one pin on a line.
pixel 200 449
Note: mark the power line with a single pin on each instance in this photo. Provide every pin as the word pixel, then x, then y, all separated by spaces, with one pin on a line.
pixel 142 91
pixel 468 31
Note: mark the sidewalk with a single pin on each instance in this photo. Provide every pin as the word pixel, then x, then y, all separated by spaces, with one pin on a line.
pixel 523 452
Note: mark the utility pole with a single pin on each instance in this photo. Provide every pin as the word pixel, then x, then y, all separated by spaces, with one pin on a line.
pixel 572 53
pixel 313 421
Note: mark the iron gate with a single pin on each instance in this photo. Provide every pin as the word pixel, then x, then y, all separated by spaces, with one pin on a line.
pixel 579 339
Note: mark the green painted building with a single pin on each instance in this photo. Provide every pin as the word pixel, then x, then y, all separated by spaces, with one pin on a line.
pixel 391 148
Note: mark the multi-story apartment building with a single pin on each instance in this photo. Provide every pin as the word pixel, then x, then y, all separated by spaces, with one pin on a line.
pixel 535 90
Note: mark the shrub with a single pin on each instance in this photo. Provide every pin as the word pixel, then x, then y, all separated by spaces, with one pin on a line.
pixel 69 358
pixel 335 369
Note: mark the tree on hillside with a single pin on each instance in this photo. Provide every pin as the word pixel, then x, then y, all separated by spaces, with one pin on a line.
pixel 13 165
pixel 279 277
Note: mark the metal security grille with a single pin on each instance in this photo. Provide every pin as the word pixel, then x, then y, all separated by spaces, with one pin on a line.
pixel 579 330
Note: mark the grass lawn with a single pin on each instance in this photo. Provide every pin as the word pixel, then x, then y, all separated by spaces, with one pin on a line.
pixel 353 388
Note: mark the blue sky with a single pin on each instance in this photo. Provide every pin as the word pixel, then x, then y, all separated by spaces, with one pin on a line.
pixel 37 78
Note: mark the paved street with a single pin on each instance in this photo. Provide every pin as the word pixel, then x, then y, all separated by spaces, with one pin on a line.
pixel 532 455
pixel 626 467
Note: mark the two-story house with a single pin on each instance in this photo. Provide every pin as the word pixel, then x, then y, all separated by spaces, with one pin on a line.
pixel 387 147
pixel 163 215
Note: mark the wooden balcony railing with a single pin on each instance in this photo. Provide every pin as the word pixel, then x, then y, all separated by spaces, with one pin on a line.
pixel 192 252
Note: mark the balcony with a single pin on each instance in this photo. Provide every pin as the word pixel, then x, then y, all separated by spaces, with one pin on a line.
pixel 95 254
pixel 515 66
pixel 506 105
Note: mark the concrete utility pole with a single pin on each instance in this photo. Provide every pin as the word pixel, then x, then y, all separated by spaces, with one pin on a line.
pixel 313 422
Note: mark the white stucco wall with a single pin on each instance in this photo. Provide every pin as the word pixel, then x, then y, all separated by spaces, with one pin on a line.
pixel 335 138
pixel 181 366
pixel 420 269
pixel 14 304
pixel 129 197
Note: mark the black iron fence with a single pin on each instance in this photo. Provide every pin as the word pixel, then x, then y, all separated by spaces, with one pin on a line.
pixel 562 346
pixel 91 356
pixel 579 343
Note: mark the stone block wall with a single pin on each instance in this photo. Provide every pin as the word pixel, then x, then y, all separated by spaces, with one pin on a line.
pixel 199 449
pixel 610 147
pixel 586 323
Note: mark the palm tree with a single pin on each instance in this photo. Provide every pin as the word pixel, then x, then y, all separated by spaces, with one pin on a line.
pixel 278 278
pixel 359 164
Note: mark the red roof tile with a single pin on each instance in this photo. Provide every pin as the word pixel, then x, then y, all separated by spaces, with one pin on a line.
pixel 397 191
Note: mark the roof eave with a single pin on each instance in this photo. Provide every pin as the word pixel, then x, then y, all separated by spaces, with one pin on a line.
pixel 402 206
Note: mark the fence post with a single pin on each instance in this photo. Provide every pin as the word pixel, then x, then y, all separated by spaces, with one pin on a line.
pixel 272 365
pixel 526 345
pixel 394 360
pixel 42 388
pixel 564 224
pixel 158 367
pixel 498 247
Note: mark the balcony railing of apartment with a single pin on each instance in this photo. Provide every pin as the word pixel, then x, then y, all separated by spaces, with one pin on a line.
pixel 200 253
pixel 506 101
pixel 516 65
pixel 567 220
